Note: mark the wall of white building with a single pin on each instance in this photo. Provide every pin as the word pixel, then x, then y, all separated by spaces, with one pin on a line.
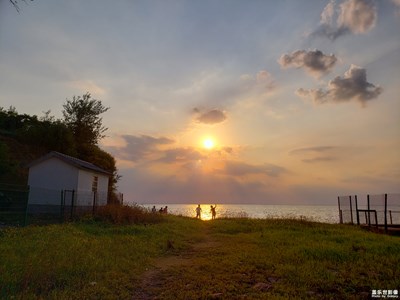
pixel 53 174
pixel 48 178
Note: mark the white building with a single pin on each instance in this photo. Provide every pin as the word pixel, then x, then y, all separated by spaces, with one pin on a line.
pixel 58 179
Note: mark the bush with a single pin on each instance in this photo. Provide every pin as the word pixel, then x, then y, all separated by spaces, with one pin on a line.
pixel 126 214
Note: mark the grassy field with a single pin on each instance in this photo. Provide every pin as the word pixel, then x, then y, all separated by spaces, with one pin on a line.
pixel 182 258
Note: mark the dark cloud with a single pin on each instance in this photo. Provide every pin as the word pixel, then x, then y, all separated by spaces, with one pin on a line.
pixel 150 151
pixel 210 117
pixel 352 16
pixel 353 86
pixel 140 147
pixel 313 61
pixel 177 155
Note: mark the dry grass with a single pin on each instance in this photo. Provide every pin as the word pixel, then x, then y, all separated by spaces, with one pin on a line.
pixel 125 215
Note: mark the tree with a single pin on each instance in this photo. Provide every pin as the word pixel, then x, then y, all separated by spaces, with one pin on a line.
pixel 106 161
pixel 82 116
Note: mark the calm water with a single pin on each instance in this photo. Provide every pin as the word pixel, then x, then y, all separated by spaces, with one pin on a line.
pixel 323 213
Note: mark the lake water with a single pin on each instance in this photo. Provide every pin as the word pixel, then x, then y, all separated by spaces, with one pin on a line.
pixel 318 213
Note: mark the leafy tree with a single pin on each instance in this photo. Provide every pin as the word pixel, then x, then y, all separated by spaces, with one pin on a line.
pixel 82 116
pixel 106 161
pixel 6 163
pixel 11 121
pixel 77 135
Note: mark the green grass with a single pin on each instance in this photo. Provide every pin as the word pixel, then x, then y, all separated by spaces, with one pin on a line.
pixel 238 259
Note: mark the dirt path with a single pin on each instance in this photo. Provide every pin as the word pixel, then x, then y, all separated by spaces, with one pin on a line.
pixel 155 278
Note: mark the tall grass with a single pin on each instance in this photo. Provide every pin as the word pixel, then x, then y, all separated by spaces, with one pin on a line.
pixel 126 214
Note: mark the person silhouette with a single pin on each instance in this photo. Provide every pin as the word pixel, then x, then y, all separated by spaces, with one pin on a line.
pixel 213 212
pixel 198 212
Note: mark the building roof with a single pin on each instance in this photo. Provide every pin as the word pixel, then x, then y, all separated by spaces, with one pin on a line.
pixel 80 164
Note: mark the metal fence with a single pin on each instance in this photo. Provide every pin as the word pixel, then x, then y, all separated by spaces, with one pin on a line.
pixel 380 210
pixel 21 205
pixel 346 211
pixel 52 205
pixel 13 204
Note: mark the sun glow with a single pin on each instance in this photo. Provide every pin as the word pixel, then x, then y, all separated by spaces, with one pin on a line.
pixel 208 143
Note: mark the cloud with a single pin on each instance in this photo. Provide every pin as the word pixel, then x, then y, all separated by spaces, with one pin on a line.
pixel 316 154
pixel 259 83
pixel 353 16
pixel 145 187
pixel 140 147
pixel 314 61
pixel 181 154
pixel 210 117
pixel 226 89
pixel 319 159
pixel 305 150
pixel 353 86
pixel 87 85
pixel 164 173
pixel 397 4
pixel 239 169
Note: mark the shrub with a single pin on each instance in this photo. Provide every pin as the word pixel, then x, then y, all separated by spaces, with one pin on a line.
pixel 126 214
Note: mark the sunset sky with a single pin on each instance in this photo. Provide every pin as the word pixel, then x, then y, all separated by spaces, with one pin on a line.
pixel 299 99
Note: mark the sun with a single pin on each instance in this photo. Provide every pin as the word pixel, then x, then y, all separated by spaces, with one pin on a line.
pixel 208 143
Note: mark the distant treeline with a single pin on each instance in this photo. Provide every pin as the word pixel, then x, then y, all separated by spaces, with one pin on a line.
pixel 24 138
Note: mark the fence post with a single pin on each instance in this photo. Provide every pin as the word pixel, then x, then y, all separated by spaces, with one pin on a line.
pixel 369 212
pixel 351 211
pixel 386 227
pixel 72 204
pixel 94 202
pixel 358 217
pixel 340 212
pixel 26 207
pixel 61 206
